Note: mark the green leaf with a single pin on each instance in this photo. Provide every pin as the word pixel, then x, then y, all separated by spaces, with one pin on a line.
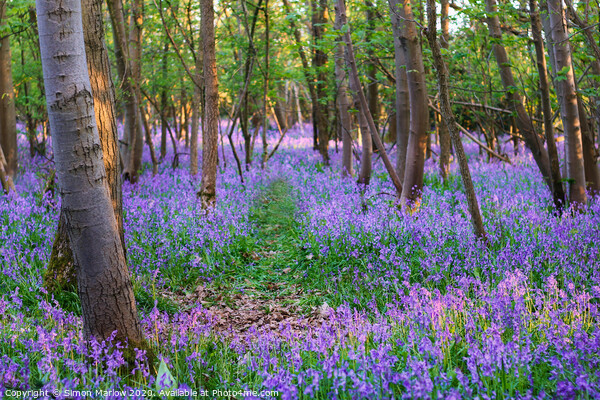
pixel 164 378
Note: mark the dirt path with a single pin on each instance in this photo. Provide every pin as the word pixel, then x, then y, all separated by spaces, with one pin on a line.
pixel 266 293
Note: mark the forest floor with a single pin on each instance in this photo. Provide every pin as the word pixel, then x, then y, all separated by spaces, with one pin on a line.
pixel 303 283
pixel 269 288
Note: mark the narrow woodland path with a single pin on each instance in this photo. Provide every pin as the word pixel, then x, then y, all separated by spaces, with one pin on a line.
pixel 266 290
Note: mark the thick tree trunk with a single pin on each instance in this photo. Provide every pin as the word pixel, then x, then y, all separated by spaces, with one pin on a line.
pixel 419 112
pixel 361 99
pixel 558 192
pixel 104 283
pixel 343 105
pixel 8 119
pixel 446 109
pixel 210 135
pixel 60 272
pixel 402 99
pixel 568 105
pixel 524 123
pixel 445 140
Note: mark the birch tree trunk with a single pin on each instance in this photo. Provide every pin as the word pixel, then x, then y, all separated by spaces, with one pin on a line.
pixel 402 99
pixel 8 119
pixel 568 104
pixel 210 135
pixel 103 280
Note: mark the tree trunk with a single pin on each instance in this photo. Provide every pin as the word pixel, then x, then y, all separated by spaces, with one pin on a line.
pixel 128 70
pixel 362 100
pixel 345 125
pixel 104 283
pixel 135 139
pixel 319 60
pixel 316 109
pixel 445 140
pixel 60 272
pixel 402 99
pixel 8 119
pixel 196 105
pixel 558 193
pixel 371 68
pixel 5 179
pixel 265 144
pixel 569 112
pixel 446 109
pixel 366 159
pixel 210 135
pixel 419 115
pixel 590 165
pixel 164 101
pixel 524 123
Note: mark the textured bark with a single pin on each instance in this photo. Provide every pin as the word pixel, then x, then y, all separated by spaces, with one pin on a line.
pixel 362 100
pixel 319 61
pixel 524 123
pixel 448 115
pixel 103 91
pixel 402 99
pixel 343 105
pixel 60 273
pixel 8 119
pixel 445 140
pixel 210 134
pixel 558 192
pixel 5 179
pixel 568 104
pixel 103 280
pixel 419 113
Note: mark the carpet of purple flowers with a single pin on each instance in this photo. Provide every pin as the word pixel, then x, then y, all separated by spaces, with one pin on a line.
pixel 420 309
